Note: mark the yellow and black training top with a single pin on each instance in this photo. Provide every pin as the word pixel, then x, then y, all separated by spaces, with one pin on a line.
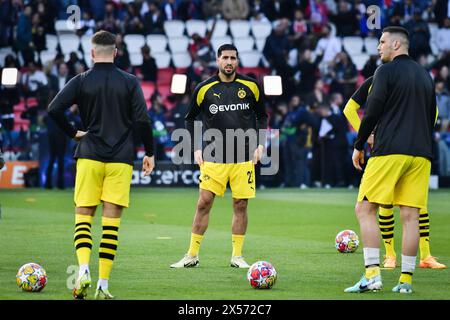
pixel 227 106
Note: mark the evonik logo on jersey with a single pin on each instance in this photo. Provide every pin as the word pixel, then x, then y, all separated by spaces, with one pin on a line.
pixel 214 108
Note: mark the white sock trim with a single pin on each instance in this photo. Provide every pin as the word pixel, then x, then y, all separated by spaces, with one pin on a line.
pixel 102 283
pixel 83 269
pixel 408 263
pixel 371 256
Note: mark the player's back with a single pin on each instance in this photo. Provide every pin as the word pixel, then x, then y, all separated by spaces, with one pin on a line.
pixel 407 124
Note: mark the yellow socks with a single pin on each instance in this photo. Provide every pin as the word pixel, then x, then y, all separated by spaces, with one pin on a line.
pixel 237 243
pixel 83 238
pixel 108 246
pixel 194 247
pixel 424 229
pixel 386 222
pixel 406 277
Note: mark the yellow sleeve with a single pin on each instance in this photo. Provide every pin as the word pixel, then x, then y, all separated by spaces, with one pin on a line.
pixel 351 113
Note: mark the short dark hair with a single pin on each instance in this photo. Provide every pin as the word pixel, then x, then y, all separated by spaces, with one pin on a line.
pixel 104 38
pixel 398 30
pixel 226 46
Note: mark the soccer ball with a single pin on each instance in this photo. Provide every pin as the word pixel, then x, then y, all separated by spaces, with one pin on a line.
pixel 347 241
pixel 262 275
pixel 31 277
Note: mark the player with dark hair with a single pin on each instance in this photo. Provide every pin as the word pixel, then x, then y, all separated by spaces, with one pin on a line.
pixel 110 103
pixel 226 101
pixel 386 213
pixel 403 112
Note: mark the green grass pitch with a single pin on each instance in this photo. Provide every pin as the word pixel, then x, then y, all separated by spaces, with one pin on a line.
pixel 292 229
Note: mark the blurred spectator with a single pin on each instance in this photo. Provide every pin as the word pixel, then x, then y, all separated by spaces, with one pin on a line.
pixel 73 62
pixel 24 41
pixel 122 59
pixel 38 34
pixel 344 75
pixel 278 9
pixel 346 20
pixel 149 70
pixel 276 48
pixel 8 19
pixel 153 20
pixel 169 9
pixel 190 9
pixel 370 66
pixel 34 82
pixel 211 8
pixel 443 103
pixel 306 72
pixel 54 65
pixel 132 20
pixel 441 11
pixel 178 112
pixel 110 22
pixel 317 96
pixel 157 113
pixel 443 76
pixel 56 83
pixel 419 35
pixel 87 24
pixel 443 36
pixel 317 12
pixel 404 10
pixel 9 98
pixel 298 31
pixel 328 46
pixel 235 9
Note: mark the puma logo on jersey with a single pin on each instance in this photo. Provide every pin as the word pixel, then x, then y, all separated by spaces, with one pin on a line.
pixel 217 95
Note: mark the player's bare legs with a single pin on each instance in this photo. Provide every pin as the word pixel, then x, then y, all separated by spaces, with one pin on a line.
pixel 366 213
pixel 199 226
pixel 238 229
pixel 201 218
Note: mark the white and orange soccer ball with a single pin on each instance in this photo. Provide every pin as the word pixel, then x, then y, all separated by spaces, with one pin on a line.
pixel 31 277
pixel 347 241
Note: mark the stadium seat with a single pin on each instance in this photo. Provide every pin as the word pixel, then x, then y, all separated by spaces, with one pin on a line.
pixel 62 27
pixel 174 28
pixel 360 60
pixel 217 42
pixel 240 28
pixel 86 44
pixel 134 42
pixel 196 26
pixel 244 44
pixel 260 43
pixel 261 29
pixel 51 42
pixel 69 43
pixel 136 58
pixel 179 44
pixel 147 88
pixel 162 59
pixel 47 56
pixel 157 42
pixel 3 53
pixel 220 30
pixel 371 45
pixel 353 45
pixel 181 59
pixel 250 59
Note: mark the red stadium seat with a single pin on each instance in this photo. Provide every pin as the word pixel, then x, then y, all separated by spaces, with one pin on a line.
pixel 165 76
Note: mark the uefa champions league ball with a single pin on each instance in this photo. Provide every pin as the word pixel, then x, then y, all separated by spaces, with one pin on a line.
pixel 31 277
pixel 347 241
pixel 262 275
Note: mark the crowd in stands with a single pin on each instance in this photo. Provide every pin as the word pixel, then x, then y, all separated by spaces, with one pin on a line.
pixel 307 46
